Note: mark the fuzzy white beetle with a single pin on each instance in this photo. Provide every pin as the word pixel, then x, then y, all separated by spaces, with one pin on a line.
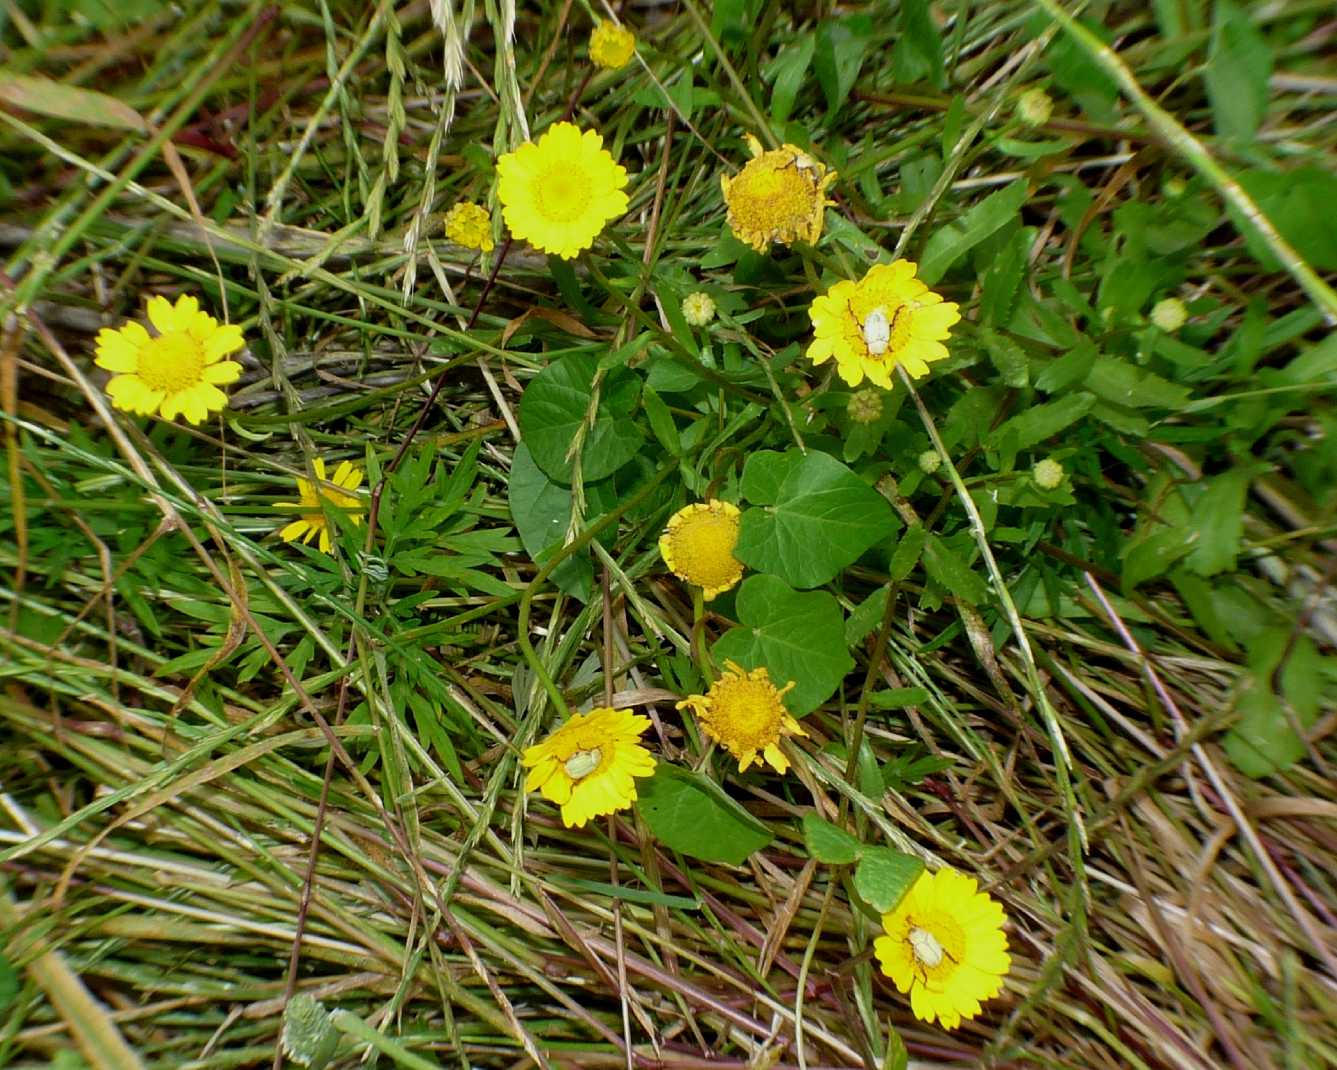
pixel 582 763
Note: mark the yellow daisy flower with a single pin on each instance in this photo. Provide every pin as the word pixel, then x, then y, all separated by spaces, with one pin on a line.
pixel 589 764
pixel 698 546
pixel 469 225
pixel 177 371
pixel 886 318
pixel 746 713
pixel 558 193
pixel 945 946
pixel 779 196
pixel 611 46
pixel 336 491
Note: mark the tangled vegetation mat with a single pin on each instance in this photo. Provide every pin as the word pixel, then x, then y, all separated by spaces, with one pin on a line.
pixel 668 535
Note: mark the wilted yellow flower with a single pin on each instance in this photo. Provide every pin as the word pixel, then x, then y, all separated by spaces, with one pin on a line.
pixel 698 546
pixel 468 224
pixel 779 196
pixel 176 371
pixel 611 46
pixel 588 765
pixel 945 946
pixel 337 492
pixel 746 713
pixel 698 309
pixel 558 193
pixel 886 318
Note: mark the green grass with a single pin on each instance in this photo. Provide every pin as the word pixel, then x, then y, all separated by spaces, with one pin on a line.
pixel 1110 702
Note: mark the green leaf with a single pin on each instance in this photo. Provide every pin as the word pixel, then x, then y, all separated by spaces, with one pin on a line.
pixel 1217 520
pixel 1122 383
pixel 897 698
pixel 1008 357
pixel 1264 740
pixel 948 244
pixel 1299 204
pixel 693 815
pixel 9 984
pixel 1239 65
pixel 661 421
pixel 1040 422
pixel 555 404
pixel 867 615
pixel 1153 556
pixel 764 474
pixel 796 636
pixel 918 51
pixel 907 553
pixel 1001 282
pixel 841 44
pixel 943 565
pixel 898 1055
pixel 828 843
pixel 541 510
pixel 884 875
pixel 787 73
pixel 823 518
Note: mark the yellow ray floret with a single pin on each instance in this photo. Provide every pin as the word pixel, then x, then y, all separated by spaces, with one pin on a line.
pixel 337 492
pixel 745 713
pixel 469 225
pixel 588 765
pixel 178 370
pixel 698 546
pixel 557 193
pixel 611 46
pixel 780 196
pixel 945 946
pixel 887 318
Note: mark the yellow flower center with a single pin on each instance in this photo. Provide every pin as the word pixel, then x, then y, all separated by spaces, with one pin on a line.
pixel 562 193
pixel 937 942
pixel 171 362
pixel 745 713
pixel 702 548
pixel 583 763
pixel 770 195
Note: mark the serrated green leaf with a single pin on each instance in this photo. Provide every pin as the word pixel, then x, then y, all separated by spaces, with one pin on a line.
pixel 883 877
pixel 948 244
pixel 907 552
pixel 1008 357
pixel 797 636
pixel 692 814
pixel 1040 422
pixel 944 565
pixel 823 518
pixel 1121 383
pixel 555 404
pixel 828 843
pixel 867 615
pixel 1217 521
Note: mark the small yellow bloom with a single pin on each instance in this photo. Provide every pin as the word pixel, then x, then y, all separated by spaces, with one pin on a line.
pixel 698 308
pixel 886 318
pixel 779 196
pixel 588 765
pixel 698 546
pixel 611 46
pixel 558 193
pixel 469 225
pixel 945 946
pixel 336 491
pixel 177 371
pixel 746 713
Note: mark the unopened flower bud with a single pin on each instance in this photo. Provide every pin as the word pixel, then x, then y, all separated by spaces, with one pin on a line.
pixel 929 462
pixel 1048 474
pixel 1169 315
pixel 698 309
pixel 865 406
pixel 1034 107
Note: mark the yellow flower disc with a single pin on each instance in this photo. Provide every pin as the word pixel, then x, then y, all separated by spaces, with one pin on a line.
pixel 698 546
pixel 779 196
pixel 745 712
pixel 588 765
pixel 557 193
pixel 469 225
pixel 177 371
pixel 945 946
pixel 611 46
pixel 347 478
pixel 886 318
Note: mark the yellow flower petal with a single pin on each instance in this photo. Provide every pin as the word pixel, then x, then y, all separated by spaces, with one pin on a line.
pixel 745 713
pixel 316 497
pixel 779 196
pixel 589 764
